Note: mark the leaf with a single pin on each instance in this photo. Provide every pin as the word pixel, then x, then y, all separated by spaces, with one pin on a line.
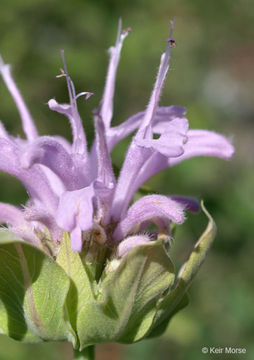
pixel 80 291
pixel 33 290
pixel 174 298
pixel 128 297
pixel 160 329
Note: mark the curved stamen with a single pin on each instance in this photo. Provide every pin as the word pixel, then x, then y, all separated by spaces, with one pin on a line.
pixel 79 138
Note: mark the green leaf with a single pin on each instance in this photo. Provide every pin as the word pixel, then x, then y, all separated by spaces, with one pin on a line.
pixel 81 291
pixel 161 327
pixel 168 306
pixel 128 297
pixel 33 290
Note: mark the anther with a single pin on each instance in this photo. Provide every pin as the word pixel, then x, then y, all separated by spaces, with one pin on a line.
pixel 62 73
pixel 126 31
pixel 172 42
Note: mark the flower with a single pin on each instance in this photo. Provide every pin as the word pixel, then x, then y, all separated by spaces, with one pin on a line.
pixel 75 190
pixel 86 266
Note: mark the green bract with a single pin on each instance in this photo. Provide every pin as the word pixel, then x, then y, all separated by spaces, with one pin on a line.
pixel 33 290
pixel 46 299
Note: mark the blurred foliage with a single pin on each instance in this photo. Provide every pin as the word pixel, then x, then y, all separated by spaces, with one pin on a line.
pixel 211 75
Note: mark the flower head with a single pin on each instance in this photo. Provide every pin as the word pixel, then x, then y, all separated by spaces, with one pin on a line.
pixel 74 189
pixel 86 265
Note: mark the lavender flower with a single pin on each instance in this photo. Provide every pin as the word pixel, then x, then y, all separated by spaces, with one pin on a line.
pixel 79 261
pixel 75 190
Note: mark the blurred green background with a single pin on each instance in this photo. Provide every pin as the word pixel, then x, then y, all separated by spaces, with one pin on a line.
pixel 212 76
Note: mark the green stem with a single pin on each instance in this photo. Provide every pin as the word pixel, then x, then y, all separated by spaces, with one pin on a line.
pixel 86 354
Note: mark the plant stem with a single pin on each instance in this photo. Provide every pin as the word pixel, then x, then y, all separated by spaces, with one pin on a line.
pixel 86 354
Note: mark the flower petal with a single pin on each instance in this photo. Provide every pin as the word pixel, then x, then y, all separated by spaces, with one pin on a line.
pixel 79 139
pixel 51 153
pixel 105 180
pixel 172 137
pixel 169 144
pixel 44 217
pixel 142 145
pixel 65 143
pixel 76 239
pixel 134 160
pixel 147 208
pixel 11 215
pixel 75 212
pixel 33 179
pixel 147 121
pixel 27 121
pixel 26 233
pixel 107 100
pixel 104 166
pixel 55 183
pixel 188 203
pixel 205 143
pixel 162 115
pixel 178 125
pixel 162 224
pixel 3 133
pixel 14 217
pixel 200 143
pixel 130 243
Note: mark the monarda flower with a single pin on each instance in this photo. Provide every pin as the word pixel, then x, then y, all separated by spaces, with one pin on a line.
pixel 79 261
